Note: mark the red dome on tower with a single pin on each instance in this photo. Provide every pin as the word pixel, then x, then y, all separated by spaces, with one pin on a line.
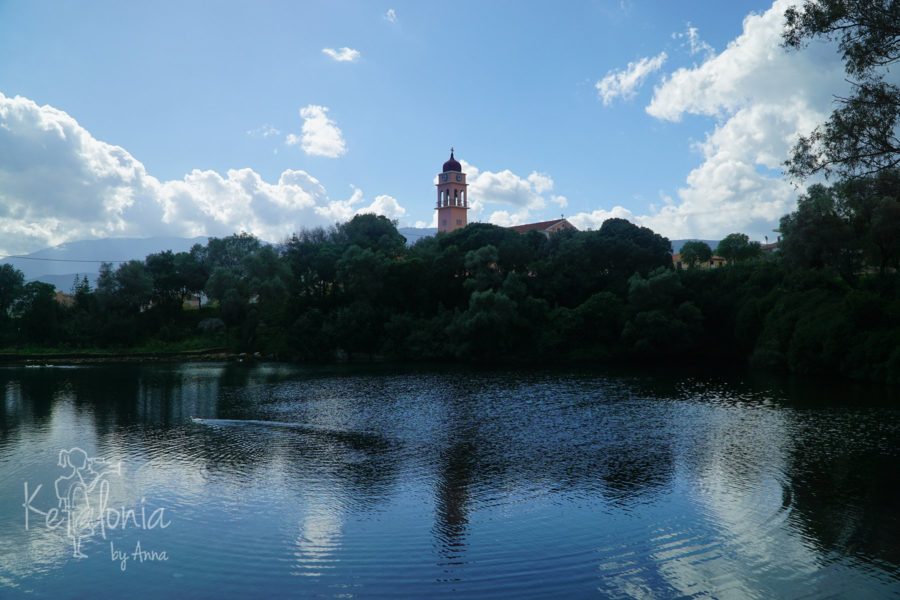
pixel 452 164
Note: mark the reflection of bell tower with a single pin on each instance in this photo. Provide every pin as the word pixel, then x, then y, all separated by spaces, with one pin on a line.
pixel 452 198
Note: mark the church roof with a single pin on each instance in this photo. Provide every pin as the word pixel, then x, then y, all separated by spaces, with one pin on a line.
pixel 541 226
pixel 452 164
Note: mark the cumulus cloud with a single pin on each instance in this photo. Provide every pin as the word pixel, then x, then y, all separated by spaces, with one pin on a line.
pixel 342 54
pixel 762 98
pixel 390 16
pixel 624 83
pixel 560 201
pixel 344 210
pixel 58 183
pixel 594 219
pixel 518 195
pixel 320 136
pixel 387 206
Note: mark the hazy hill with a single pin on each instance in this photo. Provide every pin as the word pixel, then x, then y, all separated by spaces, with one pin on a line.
pixel 414 234
pixel 60 264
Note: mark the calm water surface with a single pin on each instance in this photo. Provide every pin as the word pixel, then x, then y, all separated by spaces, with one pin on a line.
pixel 351 482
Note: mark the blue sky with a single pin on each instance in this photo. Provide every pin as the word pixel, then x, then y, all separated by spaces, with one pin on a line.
pixel 202 118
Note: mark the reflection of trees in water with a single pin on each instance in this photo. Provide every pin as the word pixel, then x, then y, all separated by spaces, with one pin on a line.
pixel 495 438
pixel 637 470
pixel 36 390
pixel 455 471
pixel 501 449
pixel 361 467
pixel 847 502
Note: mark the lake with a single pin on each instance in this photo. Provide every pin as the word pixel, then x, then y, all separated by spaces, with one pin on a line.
pixel 232 481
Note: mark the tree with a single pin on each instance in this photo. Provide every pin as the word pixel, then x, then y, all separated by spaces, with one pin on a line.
pixel 482 272
pixel 373 232
pixel 229 252
pixel 815 236
pixel 167 284
pixel 134 285
pixel 860 137
pixel 845 226
pixel 871 207
pixel 11 280
pixel 737 247
pixel 191 272
pixel 37 312
pixel 695 251
pixel 631 248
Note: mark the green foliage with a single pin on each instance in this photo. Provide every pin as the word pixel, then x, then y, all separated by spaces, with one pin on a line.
pixel 36 311
pixel 737 247
pixel 848 227
pixel 695 251
pixel 482 269
pixel 486 294
pixel 11 282
pixel 860 137
pixel 662 323
pixel 371 232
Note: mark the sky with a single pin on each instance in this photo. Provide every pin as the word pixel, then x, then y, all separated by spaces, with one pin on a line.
pixel 136 119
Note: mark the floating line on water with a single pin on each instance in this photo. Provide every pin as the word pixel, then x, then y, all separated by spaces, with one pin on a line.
pixel 346 434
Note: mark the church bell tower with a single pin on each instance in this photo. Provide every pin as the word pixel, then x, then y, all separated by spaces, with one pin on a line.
pixel 452 197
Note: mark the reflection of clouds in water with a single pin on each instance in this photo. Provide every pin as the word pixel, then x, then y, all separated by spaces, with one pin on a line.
pixel 734 525
pixel 12 399
pixel 740 487
pixel 25 554
pixel 579 483
pixel 736 471
pixel 318 539
pixel 33 457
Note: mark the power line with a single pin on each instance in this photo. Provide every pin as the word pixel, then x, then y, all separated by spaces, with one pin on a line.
pixel 61 259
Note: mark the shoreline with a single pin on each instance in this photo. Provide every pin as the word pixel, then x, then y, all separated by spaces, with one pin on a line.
pixel 55 358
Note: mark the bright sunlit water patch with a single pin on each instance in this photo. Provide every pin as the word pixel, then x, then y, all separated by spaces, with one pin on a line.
pixel 384 482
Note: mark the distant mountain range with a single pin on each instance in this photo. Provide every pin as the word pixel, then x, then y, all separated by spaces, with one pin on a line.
pixel 60 265
pixel 414 234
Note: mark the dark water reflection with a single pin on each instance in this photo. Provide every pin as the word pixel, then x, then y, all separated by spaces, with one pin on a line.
pixel 351 482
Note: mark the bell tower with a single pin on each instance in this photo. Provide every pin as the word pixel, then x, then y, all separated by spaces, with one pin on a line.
pixel 452 197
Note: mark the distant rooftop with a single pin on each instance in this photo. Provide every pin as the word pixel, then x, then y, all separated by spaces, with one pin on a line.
pixel 544 226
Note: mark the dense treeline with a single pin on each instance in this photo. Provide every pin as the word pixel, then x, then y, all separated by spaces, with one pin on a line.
pixel 827 302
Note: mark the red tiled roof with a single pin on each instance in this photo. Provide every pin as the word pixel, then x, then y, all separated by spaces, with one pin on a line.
pixel 542 226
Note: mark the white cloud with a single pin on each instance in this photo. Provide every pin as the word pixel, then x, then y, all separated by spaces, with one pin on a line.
pixel 625 82
pixel 762 97
pixel 695 45
pixel 594 219
pixel 342 54
pixel 488 188
pixel 344 210
pixel 540 182
pixel 320 135
pixel 264 131
pixel 387 206
pixel 58 183
pixel 390 16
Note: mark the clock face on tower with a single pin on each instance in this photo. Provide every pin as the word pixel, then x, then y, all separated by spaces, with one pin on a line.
pixel 459 177
pixel 444 177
